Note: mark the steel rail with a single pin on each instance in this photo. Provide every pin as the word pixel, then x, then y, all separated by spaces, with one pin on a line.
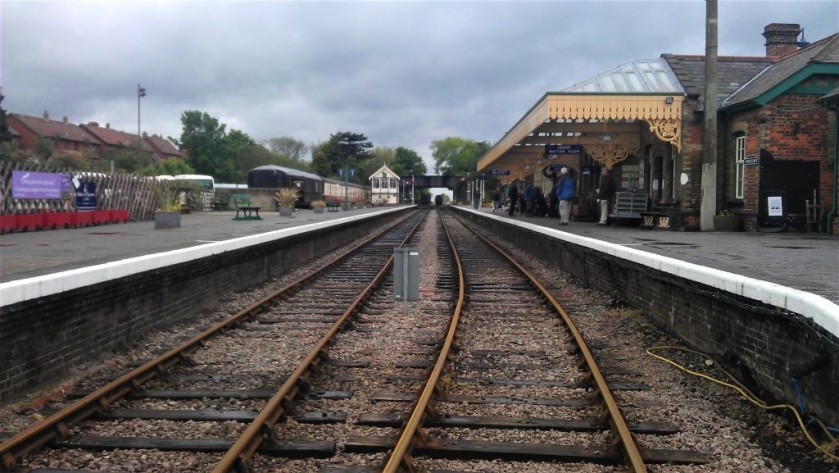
pixel 401 452
pixel 238 457
pixel 61 423
pixel 617 421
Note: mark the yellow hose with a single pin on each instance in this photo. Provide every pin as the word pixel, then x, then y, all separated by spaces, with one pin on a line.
pixel 826 449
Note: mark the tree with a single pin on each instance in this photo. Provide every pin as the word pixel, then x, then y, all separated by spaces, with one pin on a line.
pixel 288 147
pixel 203 140
pixel 125 160
pixel 408 163
pixel 344 149
pixel 456 156
pixel 170 167
pixel 5 131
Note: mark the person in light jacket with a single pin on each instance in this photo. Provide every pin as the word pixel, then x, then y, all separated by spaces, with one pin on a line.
pixel 566 191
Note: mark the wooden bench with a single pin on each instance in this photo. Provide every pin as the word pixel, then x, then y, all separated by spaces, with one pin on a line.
pixel 243 202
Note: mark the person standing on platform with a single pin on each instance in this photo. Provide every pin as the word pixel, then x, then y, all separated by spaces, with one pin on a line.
pixel 496 200
pixel 566 191
pixel 476 199
pixel 513 195
pixel 604 194
pixel 530 199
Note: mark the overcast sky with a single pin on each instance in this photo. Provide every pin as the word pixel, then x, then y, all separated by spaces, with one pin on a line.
pixel 402 73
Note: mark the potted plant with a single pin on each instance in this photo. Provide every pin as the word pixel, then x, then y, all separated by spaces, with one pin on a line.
pixel 168 214
pixel 725 221
pixel 318 206
pixel 286 198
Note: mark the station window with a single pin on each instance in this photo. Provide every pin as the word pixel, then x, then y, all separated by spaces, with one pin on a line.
pixel 739 165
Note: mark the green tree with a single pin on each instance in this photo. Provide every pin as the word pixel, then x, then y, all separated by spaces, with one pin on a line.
pixel 202 138
pixel 170 167
pixel 457 156
pixel 127 160
pixel 5 131
pixel 408 163
pixel 288 147
pixel 343 149
pixel 71 161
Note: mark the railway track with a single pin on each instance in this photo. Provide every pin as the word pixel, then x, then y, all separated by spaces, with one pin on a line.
pixel 488 366
pixel 224 378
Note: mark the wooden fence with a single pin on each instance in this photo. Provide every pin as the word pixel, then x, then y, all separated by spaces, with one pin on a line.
pixel 131 192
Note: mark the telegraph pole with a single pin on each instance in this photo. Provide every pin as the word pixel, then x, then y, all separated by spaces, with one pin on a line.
pixel 708 202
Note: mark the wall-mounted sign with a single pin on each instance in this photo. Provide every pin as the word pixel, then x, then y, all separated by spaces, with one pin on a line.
pixel 775 206
pixel 86 197
pixel 554 150
pixel 751 160
pixel 499 172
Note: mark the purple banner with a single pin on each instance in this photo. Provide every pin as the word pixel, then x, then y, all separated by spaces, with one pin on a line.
pixel 36 185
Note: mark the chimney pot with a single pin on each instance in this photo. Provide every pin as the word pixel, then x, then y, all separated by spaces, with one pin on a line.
pixel 46 115
pixel 64 119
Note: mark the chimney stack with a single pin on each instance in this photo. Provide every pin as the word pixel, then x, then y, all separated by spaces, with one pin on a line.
pixel 781 39
pixel 46 115
pixel 93 124
pixel 64 119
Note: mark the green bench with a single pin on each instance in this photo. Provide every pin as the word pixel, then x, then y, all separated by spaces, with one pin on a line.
pixel 243 203
pixel 332 206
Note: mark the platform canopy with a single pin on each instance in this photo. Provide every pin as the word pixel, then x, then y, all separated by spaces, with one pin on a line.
pixel 605 114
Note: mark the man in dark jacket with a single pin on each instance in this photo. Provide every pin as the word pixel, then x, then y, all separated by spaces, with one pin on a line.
pixel 513 195
pixel 604 194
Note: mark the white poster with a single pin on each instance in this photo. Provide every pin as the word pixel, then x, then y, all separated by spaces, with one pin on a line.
pixel 776 206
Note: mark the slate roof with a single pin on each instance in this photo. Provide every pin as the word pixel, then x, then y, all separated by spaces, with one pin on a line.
pixel 113 137
pixel 634 77
pixel 824 51
pixel 164 148
pixel 732 72
pixel 47 128
pixel 831 96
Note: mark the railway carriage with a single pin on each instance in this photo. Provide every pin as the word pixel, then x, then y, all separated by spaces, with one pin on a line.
pixel 275 177
pixel 333 193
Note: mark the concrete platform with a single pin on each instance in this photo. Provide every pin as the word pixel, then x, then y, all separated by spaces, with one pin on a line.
pixel 808 262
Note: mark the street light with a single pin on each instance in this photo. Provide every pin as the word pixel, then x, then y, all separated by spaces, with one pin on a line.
pixel 141 92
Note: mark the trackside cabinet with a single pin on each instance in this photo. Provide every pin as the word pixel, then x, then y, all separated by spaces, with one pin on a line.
pixel 406 273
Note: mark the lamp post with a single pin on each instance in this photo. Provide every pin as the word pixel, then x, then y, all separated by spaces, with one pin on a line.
pixel 141 92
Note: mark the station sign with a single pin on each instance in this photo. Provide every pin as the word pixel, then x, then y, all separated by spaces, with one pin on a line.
pixel 751 160
pixel 499 172
pixel 86 197
pixel 40 185
pixel 556 150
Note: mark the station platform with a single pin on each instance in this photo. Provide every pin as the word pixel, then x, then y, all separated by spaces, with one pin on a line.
pixel 807 262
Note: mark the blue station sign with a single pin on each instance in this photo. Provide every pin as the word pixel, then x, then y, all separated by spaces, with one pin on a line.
pixel 499 172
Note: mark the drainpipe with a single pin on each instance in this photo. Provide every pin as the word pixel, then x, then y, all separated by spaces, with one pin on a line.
pixel 832 213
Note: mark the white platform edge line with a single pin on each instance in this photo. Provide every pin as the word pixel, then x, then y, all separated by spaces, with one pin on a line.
pixel 22 290
pixel 823 312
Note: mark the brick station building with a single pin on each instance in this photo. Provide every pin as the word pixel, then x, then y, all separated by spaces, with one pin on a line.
pixel 777 135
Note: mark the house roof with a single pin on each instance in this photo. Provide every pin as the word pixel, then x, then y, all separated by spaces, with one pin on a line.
pixel 832 96
pixel 46 128
pixel 795 66
pixel 113 137
pixel 732 72
pixel 633 77
pixel 163 147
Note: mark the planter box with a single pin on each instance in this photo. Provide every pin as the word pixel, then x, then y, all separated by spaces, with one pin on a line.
pixel 55 220
pixel 7 223
pixel 101 217
pixel 119 216
pixel 82 219
pixel 318 210
pixel 29 222
pixel 286 211
pixel 165 220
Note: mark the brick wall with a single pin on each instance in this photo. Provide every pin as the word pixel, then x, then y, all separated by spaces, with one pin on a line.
pixel 761 345
pixel 42 339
